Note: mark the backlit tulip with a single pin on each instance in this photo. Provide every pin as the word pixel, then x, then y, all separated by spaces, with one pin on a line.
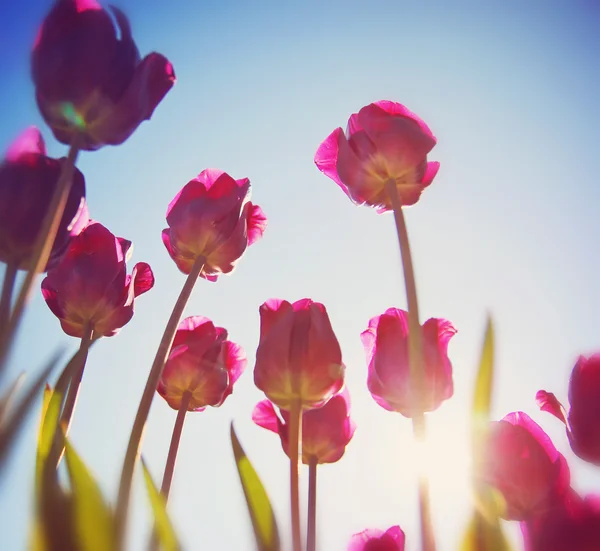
pixel 383 142
pixel 521 462
pixel 298 357
pixel 389 379
pixel 326 431
pixel 202 362
pixel 583 421
pixel 212 218
pixel 378 540
pixel 89 78
pixel 27 182
pixel 573 525
pixel 90 287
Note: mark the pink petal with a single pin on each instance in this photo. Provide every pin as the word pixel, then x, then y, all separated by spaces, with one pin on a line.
pixel 396 533
pixel 271 312
pixel 235 360
pixel 326 157
pixel 353 125
pixel 548 402
pixel 191 323
pixel 143 278
pixel 393 108
pixel 29 141
pixel 265 416
pixel 257 224
pixel 358 541
pixel 430 173
pixel 152 79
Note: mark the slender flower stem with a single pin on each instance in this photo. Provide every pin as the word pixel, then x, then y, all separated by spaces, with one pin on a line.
pixel 311 529
pixel 295 444
pixel 172 457
pixel 10 276
pixel 416 359
pixel 42 248
pixel 71 376
pixel 139 424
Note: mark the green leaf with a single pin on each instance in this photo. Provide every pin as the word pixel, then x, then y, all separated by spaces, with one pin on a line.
pixel 162 523
pixel 92 518
pixel 48 423
pixel 259 507
pixel 482 397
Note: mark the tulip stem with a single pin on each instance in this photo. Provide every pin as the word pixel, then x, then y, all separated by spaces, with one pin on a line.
pixel 172 457
pixel 416 359
pixel 42 248
pixel 139 424
pixel 71 376
pixel 10 276
pixel 311 530
pixel 295 444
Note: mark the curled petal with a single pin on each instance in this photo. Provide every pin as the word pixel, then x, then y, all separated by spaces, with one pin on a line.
pixel 29 141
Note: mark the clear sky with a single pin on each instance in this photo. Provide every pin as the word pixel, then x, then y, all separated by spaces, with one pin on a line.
pixel 510 226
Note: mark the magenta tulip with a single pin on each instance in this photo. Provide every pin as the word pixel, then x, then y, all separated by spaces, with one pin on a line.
pixel 573 525
pixel 212 218
pixel 521 462
pixel 326 431
pixel 383 142
pixel 90 288
pixel 583 421
pixel 27 182
pixel 298 357
pixel 89 78
pixel 378 540
pixel 202 362
pixel 389 378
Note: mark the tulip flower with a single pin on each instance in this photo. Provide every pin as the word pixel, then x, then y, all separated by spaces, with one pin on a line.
pixel 386 343
pixel 89 290
pixel 90 82
pixel 202 364
pixel 27 182
pixel 583 421
pixel 521 462
pixel 200 371
pixel 326 431
pixel 211 223
pixel 572 525
pixel 298 356
pixel 211 219
pixel 378 540
pixel 298 366
pixel 384 143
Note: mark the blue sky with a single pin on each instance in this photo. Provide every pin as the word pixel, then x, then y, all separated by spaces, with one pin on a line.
pixel 510 227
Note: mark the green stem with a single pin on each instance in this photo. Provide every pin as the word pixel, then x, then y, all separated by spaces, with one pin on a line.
pixel 294 446
pixel 415 347
pixel 10 276
pixel 71 375
pixel 172 457
pixel 139 424
pixel 42 248
pixel 311 529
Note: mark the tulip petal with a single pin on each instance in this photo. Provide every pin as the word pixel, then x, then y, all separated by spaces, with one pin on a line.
pixel 430 172
pixel 548 402
pixel 152 79
pixel 265 416
pixel 257 223
pixel 235 360
pixel 142 277
pixel 326 157
pixel 29 141
pixel 394 108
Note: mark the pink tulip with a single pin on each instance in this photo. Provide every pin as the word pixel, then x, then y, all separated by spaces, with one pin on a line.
pixel 90 286
pixel 27 182
pixel 389 379
pixel 89 78
pixel 573 525
pixel 521 462
pixel 583 422
pixel 202 362
pixel 383 142
pixel 326 431
pixel 298 356
pixel 212 218
pixel 378 540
